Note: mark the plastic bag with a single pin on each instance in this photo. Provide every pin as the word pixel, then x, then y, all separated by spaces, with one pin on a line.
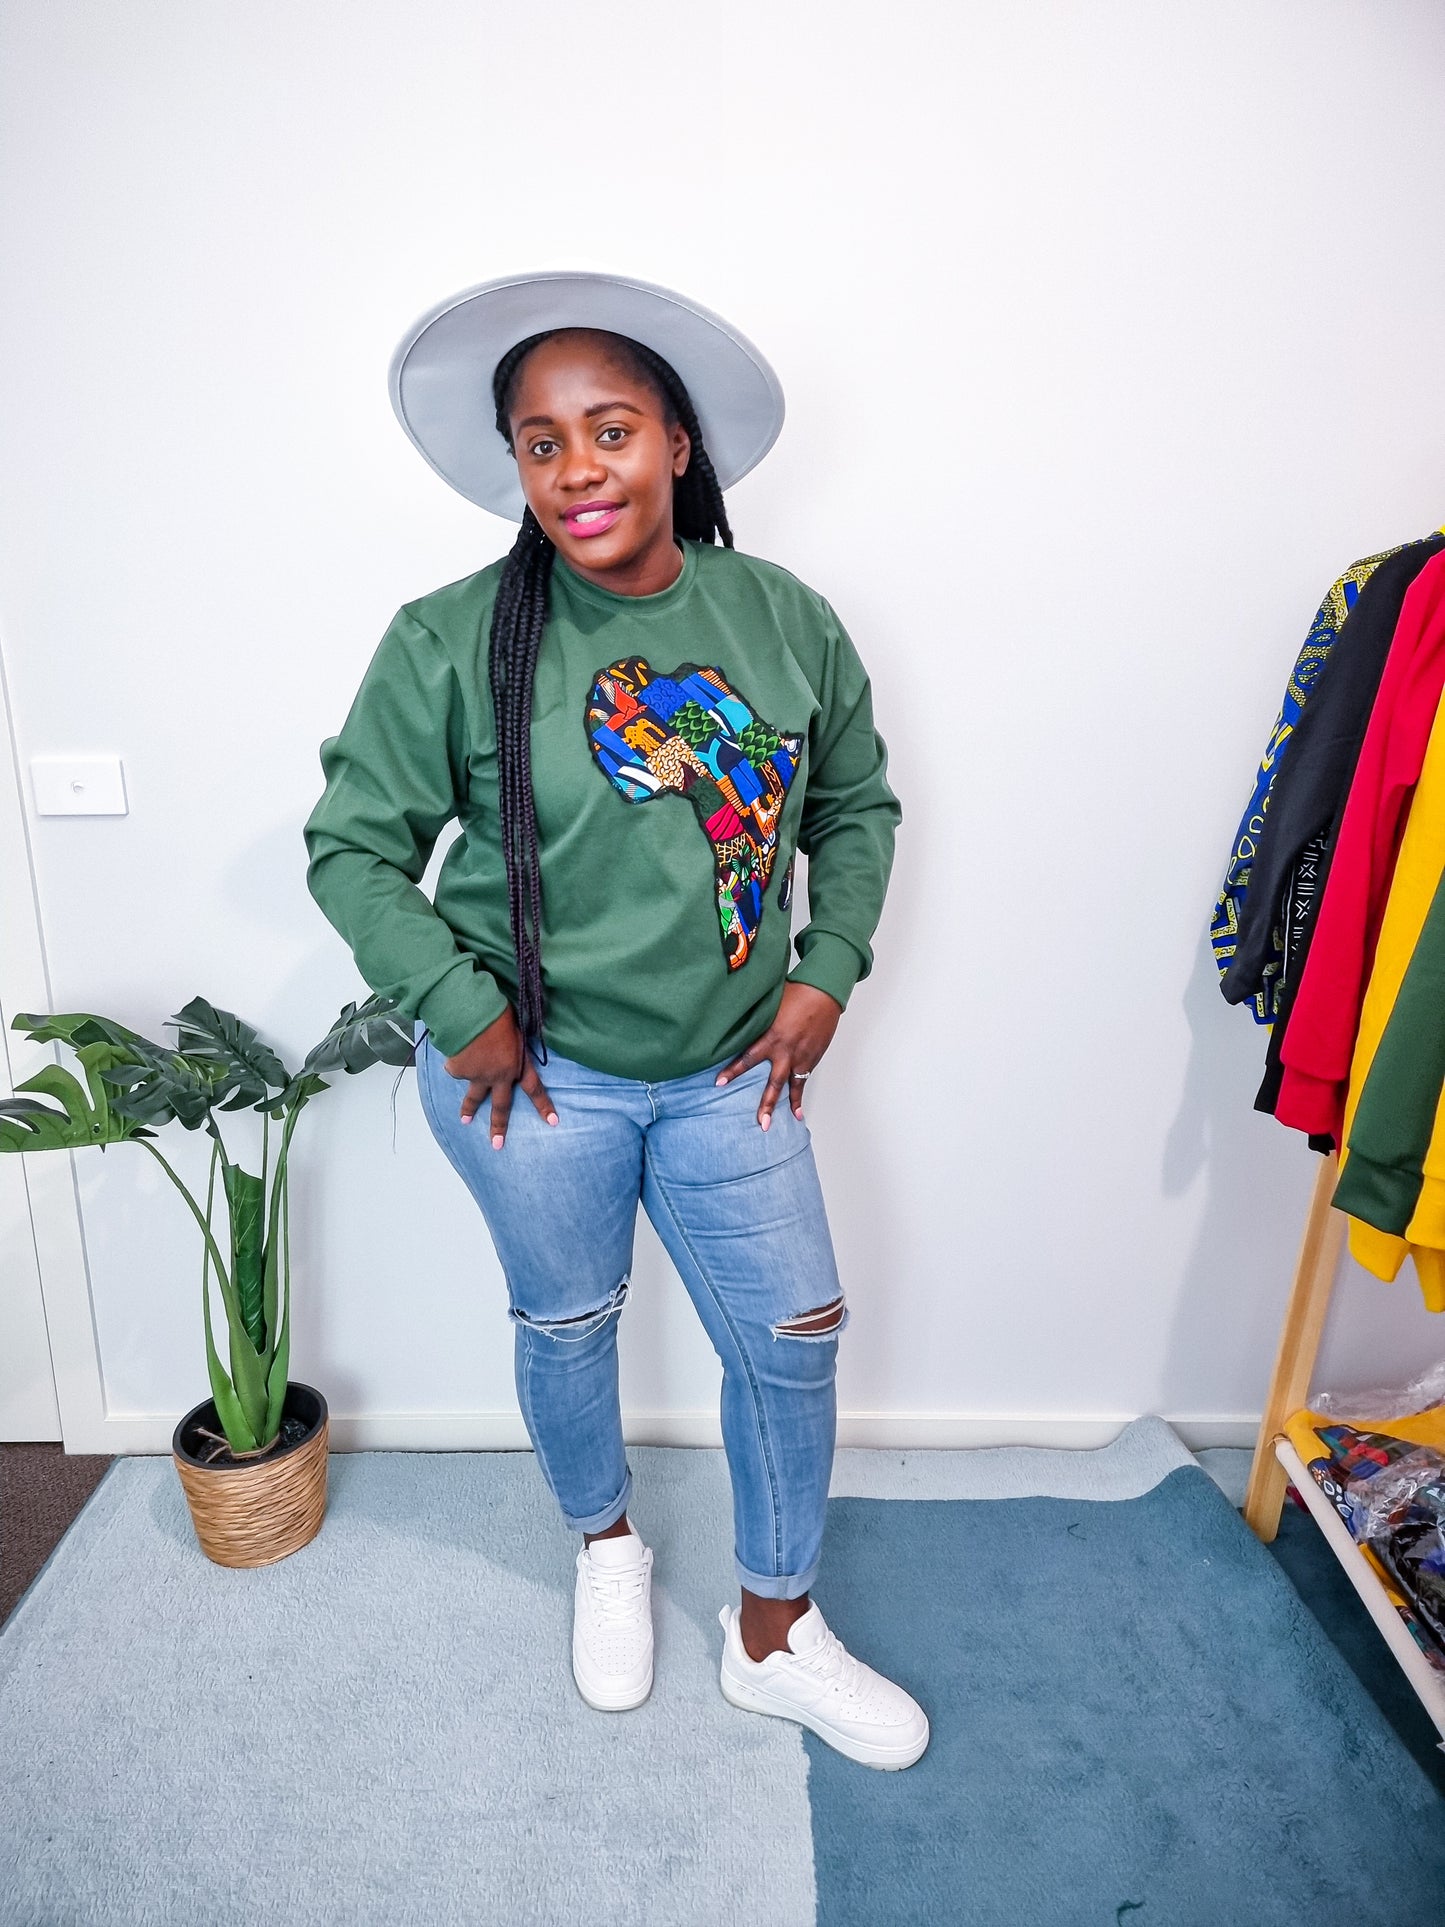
pixel 1411 1549
pixel 1383 1402
pixel 1381 1498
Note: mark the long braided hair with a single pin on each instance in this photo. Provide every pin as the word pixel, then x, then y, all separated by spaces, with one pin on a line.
pixel 519 617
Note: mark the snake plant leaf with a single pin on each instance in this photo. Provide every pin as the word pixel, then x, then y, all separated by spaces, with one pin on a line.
pixel 228 1406
pixel 246 1200
pixel 278 1379
pixel 248 1366
pixel 278 1228
pixel 276 1385
pixel 270 1261
pixel 281 1362
pixel 248 1374
pixel 204 1032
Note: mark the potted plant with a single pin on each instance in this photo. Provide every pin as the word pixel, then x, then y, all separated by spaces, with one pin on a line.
pixel 252 1457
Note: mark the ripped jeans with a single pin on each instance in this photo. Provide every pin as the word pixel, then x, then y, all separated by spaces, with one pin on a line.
pixel 741 1214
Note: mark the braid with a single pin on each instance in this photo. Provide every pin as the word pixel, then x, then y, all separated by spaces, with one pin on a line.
pixel 519 617
pixel 697 500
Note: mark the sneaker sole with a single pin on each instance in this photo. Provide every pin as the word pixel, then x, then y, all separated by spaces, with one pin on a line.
pixel 887 1759
pixel 601 1700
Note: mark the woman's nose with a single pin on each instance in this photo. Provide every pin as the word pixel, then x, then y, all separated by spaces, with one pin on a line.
pixel 582 467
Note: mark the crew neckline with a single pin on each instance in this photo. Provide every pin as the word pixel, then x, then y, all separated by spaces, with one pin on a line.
pixel 638 604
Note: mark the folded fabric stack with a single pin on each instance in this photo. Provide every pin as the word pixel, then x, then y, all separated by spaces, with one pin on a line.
pixel 1331 922
pixel 1386 1479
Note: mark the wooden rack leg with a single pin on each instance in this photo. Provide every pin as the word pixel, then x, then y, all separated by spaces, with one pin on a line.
pixel 1299 1344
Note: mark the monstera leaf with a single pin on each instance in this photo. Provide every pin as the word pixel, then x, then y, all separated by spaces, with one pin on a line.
pixel 362 1035
pixel 220 1064
pixel 154 1085
pixel 28 1125
pixel 77 1028
pixel 146 1082
pixel 205 1034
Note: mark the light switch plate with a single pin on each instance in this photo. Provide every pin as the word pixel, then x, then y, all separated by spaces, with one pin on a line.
pixel 78 785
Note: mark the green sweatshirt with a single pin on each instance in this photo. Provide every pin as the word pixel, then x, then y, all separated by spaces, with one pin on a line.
pixel 1394 1120
pixel 684 745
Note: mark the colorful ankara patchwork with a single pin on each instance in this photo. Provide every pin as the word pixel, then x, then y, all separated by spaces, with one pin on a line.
pixel 689 733
pixel 1329 620
pixel 1344 1461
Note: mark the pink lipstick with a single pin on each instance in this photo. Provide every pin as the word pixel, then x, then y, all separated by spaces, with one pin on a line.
pixel 592 518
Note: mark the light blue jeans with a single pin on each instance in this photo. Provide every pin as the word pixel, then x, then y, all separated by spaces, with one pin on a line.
pixel 741 1214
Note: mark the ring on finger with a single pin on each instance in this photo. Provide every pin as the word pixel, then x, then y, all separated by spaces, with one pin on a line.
pixel 798 1076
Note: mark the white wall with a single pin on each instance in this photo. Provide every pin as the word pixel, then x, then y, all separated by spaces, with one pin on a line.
pixel 1109 332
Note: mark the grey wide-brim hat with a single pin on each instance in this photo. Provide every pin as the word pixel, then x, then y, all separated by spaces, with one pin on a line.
pixel 441 373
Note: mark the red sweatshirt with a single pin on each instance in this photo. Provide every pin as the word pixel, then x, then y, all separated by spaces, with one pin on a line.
pixel 1320 1039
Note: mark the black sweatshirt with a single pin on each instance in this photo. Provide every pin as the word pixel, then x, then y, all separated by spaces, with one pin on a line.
pixel 1315 777
pixel 1297 950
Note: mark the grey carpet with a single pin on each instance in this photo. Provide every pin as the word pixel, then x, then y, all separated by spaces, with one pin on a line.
pixel 382 1729
pixel 1228 1466
pixel 1145 1452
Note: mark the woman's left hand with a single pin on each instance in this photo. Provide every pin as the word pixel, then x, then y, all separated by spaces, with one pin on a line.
pixel 792 1044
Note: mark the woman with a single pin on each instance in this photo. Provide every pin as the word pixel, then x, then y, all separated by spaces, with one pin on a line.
pixel 637 728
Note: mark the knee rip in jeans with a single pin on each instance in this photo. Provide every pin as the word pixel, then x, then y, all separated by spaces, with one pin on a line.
pixel 826 1322
pixel 568 1331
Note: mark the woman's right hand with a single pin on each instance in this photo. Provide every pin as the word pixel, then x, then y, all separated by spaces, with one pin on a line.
pixel 493 1065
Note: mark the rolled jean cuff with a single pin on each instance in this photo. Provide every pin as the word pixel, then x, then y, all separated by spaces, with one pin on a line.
pixel 608 1516
pixel 768 1586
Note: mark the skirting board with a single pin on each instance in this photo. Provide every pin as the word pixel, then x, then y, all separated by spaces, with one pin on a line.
pixel 143 1432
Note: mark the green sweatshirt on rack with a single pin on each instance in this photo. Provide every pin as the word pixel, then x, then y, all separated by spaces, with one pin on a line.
pixel 684 745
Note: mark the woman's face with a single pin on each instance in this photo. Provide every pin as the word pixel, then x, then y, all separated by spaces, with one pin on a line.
pixel 597 453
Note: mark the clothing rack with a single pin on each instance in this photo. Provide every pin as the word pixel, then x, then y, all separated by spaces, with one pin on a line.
pixel 1299 1344
pixel 1277 1464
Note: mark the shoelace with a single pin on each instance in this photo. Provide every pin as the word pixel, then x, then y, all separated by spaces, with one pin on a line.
pixel 616 1596
pixel 836 1665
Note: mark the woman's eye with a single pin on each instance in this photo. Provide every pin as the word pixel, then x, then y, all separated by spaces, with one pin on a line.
pixel 541 448
pixel 612 436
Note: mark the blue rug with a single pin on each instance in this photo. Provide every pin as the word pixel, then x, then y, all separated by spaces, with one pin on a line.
pixel 1134 1717
pixel 1143 1724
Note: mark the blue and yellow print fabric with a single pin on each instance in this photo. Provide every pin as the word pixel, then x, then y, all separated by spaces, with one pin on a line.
pixel 1323 631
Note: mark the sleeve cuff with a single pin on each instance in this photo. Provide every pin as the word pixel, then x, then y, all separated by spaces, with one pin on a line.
pixel 830 963
pixel 1312 1104
pixel 1382 1196
pixel 460 1008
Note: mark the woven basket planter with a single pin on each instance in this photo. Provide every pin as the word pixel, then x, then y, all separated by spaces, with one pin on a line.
pixel 259 1511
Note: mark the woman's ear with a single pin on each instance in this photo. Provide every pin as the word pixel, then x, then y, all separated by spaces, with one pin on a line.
pixel 681 450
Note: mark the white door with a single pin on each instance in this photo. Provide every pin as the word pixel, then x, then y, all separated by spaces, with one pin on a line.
pixel 28 1405
pixel 28 1408
pixel 50 1383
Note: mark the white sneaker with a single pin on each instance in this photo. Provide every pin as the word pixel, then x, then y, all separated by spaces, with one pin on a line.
pixel 822 1686
pixel 612 1623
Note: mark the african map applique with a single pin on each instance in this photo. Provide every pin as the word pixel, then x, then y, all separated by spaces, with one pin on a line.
pixel 690 734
